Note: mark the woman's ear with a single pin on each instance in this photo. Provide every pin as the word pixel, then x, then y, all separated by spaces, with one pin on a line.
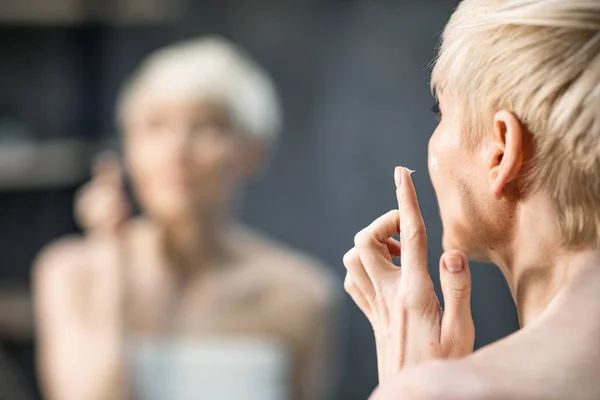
pixel 507 151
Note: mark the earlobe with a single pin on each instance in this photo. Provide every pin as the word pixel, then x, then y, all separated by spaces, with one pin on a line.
pixel 507 156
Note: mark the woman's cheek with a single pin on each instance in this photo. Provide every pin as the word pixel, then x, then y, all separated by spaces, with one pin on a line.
pixel 437 158
pixel 433 162
pixel 433 166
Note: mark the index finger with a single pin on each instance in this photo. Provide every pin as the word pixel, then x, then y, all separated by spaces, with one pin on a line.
pixel 413 237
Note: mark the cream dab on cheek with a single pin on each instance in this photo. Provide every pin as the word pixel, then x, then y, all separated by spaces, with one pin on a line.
pixel 433 162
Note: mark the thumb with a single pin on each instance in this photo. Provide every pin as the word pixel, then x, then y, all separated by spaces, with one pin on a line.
pixel 457 331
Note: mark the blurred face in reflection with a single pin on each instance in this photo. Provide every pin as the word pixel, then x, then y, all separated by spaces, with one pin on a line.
pixel 184 156
pixel 459 173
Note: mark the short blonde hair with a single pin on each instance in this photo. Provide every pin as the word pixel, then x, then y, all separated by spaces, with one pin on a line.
pixel 208 68
pixel 539 59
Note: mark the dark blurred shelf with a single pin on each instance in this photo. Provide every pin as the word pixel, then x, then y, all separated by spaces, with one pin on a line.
pixel 82 12
pixel 44 164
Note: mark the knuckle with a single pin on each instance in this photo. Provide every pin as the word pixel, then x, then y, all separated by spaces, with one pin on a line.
pixel 413 236
pixel 457 289
pixel 406 302
pixel 460 345
pixel 418 303
pixel 350 286
pixel 348 258
pixel 392 214
pixel 362 238
pixel 460 336
pixel 455 345
pixel 357 238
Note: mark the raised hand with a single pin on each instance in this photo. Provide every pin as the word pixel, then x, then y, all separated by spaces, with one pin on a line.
pixel 400 302
pixel 101 205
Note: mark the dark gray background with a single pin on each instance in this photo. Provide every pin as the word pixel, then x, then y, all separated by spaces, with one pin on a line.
pixel 354 82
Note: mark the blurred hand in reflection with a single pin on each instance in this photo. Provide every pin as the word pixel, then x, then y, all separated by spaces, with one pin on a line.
pixel 101 205
pixel 400 302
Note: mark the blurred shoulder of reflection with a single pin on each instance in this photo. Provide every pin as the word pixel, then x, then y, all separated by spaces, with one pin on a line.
pixel 257 326
pixel 256 321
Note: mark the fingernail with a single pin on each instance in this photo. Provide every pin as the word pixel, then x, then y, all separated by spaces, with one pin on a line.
pixel 454 264
pixel 410 171
pixel 398 176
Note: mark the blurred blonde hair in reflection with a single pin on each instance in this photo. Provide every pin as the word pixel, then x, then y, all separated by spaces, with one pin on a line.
pixel 216 70
pixel 158 302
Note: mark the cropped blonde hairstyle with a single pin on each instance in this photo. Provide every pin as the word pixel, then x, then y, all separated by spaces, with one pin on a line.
pixel 208 68
pixel 539 59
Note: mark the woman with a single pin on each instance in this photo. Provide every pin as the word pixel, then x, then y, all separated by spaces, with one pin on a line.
pixel 514 162
pixel 183 302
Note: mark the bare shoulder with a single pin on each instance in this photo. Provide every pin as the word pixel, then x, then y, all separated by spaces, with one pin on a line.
pixel 59 255
pixel 58 265
pixel 72 255
pixel 434 380
pixel 294 274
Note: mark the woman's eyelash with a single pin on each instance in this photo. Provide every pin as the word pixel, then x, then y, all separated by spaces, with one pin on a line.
pixel 436 110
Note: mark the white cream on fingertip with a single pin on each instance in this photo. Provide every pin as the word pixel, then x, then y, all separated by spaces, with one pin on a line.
pixel 398 175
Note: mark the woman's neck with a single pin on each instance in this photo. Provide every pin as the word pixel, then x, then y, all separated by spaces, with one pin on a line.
pixel 193 242
pixel 535 263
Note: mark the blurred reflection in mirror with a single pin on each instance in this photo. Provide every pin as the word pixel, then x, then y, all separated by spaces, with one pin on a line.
pixel 183 302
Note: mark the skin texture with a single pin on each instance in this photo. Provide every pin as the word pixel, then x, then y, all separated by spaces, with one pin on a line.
pixel 184 270
pixel 486 216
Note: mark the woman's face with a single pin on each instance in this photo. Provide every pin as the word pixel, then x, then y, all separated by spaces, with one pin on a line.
pixel 183 156
pixel 460 177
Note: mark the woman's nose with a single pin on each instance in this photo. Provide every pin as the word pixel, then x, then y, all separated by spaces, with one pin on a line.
pixel 180 144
